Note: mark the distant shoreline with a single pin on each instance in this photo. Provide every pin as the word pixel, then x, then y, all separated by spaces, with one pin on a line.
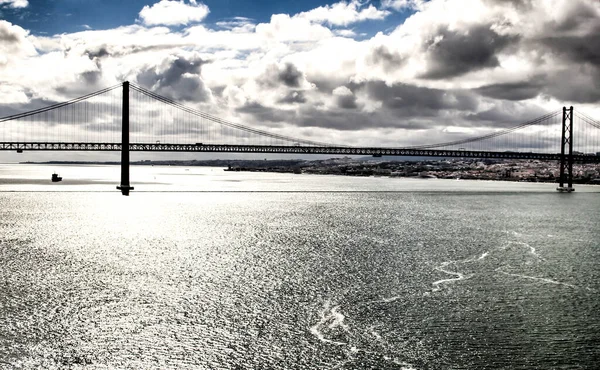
pixel 199 163
pixel 466 169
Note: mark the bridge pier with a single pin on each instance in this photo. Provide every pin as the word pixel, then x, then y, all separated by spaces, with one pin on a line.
pixel 125 187
pixel 566 161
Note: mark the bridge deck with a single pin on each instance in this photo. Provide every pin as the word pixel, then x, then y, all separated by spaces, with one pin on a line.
pixel 329 150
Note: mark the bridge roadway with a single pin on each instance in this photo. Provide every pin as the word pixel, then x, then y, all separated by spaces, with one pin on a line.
pixel 283 149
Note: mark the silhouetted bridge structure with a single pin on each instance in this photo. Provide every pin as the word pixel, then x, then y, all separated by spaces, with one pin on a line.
pixel 127 117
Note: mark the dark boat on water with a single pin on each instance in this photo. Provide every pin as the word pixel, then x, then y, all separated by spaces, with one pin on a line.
pixel 56 178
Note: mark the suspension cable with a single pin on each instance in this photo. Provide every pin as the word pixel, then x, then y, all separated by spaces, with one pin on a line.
pixel 224 122
pixel 58 105
pixel 488 136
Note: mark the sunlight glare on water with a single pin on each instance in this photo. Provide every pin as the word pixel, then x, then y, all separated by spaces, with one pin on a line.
pixel 210 269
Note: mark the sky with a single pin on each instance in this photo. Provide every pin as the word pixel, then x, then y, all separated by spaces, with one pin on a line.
pixel 368 73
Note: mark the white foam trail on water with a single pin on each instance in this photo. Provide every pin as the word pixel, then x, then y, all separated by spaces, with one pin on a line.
pixel 513 233
pixel 532 249
pixel 376 335
pixel 336 319
pixel 442 268
pixel 404 365
pixel 544 280
pixel 459 275
pixel 339 365
pixel 384 300
pixel 462 276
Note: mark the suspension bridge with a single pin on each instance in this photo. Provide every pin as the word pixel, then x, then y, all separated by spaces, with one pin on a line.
pixel 127 117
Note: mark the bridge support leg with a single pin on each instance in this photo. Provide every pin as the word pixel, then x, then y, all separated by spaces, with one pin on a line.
pixel 566 160
pixel 125 186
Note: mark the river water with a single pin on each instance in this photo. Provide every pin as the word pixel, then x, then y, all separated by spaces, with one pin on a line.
pixel 202 268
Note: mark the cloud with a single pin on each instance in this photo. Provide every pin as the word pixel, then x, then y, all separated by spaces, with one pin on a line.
pixel 98 53
pixel 177 77
pixel 11 34
pixel 293 97
pixel 506 114
pixel 10 94
pixel 522 90
pixel 305 74
pixel 286 75
pixel 237 23
pixel 388 59
pixel 15 4
pixel 344 33
pixel 344 98
pixel 582 86
pixel 409 100
pixel 284 28
pixel 344 13
pixel 14 43
pixel 579 49
pixel 290 75
pixel 265 114
pixel 401 4
pixel 173 13
pixel 453 53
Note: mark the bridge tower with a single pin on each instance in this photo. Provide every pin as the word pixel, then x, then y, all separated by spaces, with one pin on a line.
pixel 125 186
pixel 566 161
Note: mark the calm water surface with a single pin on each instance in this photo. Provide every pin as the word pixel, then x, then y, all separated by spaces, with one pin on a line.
pixel 201 268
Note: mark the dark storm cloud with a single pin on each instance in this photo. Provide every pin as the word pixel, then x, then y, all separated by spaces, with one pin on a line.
pixel 575 36
pixel 287 75
pixel 576 17
pixel 513 91
pixel 409 100
pixel 453 53
pixel 95 55
pixel 403 106
pixel 218 90
pixel 179 67
pixel 91 77
pixel 180 80
pixel 290 75
pixel 104 50
pixel 98 53
pixel 293 97
pixel 505 115
pixel 389 60
pixel 346 101
pixel 265 114
pixel 6 36
pixel 343 120
pixel 352 120
pixel 311 116
pixel 580 87
pixel 582 49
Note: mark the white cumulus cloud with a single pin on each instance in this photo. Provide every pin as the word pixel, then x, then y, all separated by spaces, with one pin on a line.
pixel 344 13
pixel 306 75
pixel 15 3
pixel 173 13
pixel 401 4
